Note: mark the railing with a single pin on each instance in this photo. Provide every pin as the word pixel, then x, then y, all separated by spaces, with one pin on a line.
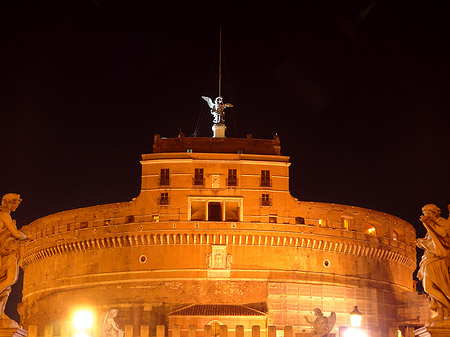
pixel 198 181
pixel 232 181
pixel 265 201
pixel 163 201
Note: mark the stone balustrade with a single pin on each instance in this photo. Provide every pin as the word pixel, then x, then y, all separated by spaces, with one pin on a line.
pixel 176 331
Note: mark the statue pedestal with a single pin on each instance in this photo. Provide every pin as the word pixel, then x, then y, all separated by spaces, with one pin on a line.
pixel 432 332
pixel 13 332
pixel 219 130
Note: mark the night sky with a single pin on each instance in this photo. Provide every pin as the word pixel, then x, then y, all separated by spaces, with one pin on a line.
pixel 358 93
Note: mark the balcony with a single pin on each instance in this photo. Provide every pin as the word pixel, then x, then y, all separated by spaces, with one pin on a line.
pixel 198 181
pixel 265 201
pixel 163 201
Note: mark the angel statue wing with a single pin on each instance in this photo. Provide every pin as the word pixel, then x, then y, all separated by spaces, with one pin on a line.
pixel 209 101
pixel 331 321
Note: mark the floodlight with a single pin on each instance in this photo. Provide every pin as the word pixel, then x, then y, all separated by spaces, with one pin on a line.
pixel 83 320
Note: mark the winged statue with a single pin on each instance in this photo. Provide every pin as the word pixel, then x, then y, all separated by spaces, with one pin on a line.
pixel 217 108
pixel 322 325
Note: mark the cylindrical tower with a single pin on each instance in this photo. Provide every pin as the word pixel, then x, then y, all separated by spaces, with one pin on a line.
pixel 215 224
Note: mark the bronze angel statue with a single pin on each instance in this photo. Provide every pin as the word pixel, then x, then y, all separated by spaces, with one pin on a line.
pixel 322 325
pixel 217 108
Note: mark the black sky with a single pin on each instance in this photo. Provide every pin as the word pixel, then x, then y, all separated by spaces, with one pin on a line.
pixel 357 91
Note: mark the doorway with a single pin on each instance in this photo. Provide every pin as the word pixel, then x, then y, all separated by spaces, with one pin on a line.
pixel 214 211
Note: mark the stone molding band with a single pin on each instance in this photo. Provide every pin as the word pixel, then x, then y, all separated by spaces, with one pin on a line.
pixel 207 238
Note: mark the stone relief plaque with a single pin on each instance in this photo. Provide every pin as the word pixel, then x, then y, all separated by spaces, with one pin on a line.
pixel 219 262
pixel 215 181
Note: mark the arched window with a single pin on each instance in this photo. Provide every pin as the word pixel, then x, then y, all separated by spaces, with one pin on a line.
pixel 372 231
pixel 373 228
pixel 394 235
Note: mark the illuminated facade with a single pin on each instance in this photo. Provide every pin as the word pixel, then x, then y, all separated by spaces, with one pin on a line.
pixel 215 223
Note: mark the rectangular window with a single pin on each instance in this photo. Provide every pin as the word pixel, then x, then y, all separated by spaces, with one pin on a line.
pixel 265 178
pixel 164 178
pixel 232 177
pixel 272 219
pixel 198 177
pixel 83 224
pixel 265 200
pixel 164 199
pixel 129 219
pixel 299 220
pixel 347 223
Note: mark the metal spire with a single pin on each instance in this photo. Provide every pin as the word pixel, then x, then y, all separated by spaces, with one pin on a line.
pixel 220 60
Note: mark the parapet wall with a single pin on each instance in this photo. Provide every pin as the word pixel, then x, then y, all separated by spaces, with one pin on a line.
pixel 191 331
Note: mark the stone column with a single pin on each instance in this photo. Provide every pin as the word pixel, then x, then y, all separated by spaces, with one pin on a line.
pixel 207 331
pixel 239 331
pixel 65 331
pixel 223 331
pixel 129 331
pixel 392 332
pixel 192 331
pixel 256 331
pixel 288 331
pixel 32 331
pixel 136 314
pixel 272 331
pixel 409 332
pixel 145 331
pixel 48 331
pixel 160 330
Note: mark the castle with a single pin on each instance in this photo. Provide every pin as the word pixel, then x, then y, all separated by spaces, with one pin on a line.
pixel 216 228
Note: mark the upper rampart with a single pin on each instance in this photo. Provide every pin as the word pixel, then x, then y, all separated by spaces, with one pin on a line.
pixel 217 145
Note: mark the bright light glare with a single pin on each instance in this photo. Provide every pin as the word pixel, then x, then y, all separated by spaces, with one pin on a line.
pixel 355 332
pixel 83 320
pixel 355 320
pixel 81 334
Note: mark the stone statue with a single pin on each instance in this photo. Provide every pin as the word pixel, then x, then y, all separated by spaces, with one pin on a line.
pixel 229 261
pixel 435 263
pixel 110 328
pixel 322 325
pixel 10 253
pixel 217 109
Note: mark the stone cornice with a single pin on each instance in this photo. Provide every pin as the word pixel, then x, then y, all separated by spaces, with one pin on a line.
pixel 207 237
